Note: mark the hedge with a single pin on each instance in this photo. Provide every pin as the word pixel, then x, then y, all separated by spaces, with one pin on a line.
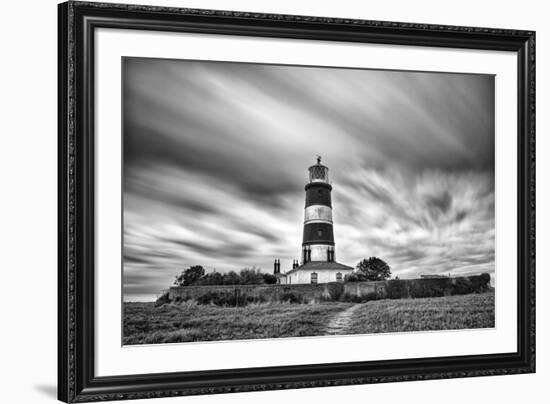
pixel 437 287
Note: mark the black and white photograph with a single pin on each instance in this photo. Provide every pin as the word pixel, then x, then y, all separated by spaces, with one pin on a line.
pixel 276 201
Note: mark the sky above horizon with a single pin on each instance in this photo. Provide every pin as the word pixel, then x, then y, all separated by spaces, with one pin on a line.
pixel 216 157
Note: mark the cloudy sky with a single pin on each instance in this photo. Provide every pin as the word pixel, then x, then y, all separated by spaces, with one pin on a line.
pixel 216 157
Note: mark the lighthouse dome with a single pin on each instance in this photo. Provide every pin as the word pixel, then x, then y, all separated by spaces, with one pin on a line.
pixel 318 172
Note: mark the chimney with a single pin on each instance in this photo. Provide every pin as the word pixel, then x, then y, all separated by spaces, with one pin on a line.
pixel 294 264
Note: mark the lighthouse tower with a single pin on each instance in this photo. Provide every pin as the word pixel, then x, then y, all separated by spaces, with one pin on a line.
pixel 318 258
pixel 318 239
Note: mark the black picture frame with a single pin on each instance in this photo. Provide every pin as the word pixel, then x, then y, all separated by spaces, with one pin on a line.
pixel 77 23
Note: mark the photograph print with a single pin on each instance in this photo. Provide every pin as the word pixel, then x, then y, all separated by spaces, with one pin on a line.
pixel 282 201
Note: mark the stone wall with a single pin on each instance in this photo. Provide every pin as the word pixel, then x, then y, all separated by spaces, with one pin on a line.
pixel 264 292
pixel 360 289
pixel 392 289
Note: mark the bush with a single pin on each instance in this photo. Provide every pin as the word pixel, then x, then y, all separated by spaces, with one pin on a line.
pixel 429 287
pixel 485 279
pixel 228 298
pixel 163 299
pixel 291 297
pixel 480 283
pixel 259 299
pixel 269 279
pixel 371 296
pixel 348 298
pixel 461 286
pixel 220 299
pixel 471 284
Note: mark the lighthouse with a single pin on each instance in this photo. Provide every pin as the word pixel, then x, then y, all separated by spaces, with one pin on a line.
pixel 318 254
pixel 318 235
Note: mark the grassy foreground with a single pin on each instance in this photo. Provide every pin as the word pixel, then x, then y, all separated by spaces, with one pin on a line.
pixel 431 313
pixel 146 324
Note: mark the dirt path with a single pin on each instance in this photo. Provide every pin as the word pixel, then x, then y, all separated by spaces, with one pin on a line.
pixel 339 323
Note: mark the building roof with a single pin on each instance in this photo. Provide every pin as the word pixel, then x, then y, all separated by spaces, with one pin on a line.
pixel 320 265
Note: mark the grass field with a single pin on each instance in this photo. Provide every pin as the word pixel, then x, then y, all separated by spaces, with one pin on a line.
pixel 146 324
pixel 432 313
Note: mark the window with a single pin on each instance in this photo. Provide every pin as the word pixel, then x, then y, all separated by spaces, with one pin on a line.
pixel 339 277
pixel 314 277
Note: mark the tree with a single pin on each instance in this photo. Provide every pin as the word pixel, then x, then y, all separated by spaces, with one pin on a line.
pixel 213 278
pixel 196 275
pixel 231 278
pixel 269 279
pixel 353 277
pixel 190 276
pixel 373 269
pixel 251 276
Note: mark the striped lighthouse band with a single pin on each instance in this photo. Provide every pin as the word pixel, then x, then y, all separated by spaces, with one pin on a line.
pixel 318 193
pixel 318 233
pixel 318 214
pixel 318 252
